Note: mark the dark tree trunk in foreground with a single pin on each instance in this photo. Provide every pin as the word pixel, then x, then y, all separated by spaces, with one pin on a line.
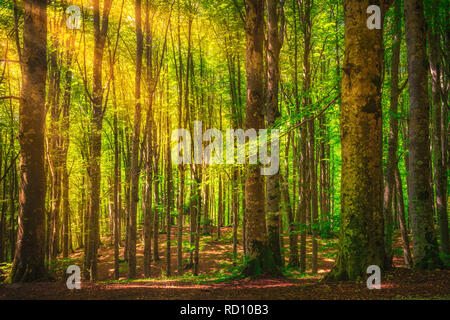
pixel 362 225
pixel 261 260
pixel 425 248
pixel 30 255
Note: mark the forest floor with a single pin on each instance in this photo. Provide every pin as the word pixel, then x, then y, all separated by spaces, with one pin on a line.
pixel 216 281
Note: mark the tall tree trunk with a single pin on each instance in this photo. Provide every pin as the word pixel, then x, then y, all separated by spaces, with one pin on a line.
pixel 116 181
pixel 169 200
pixel 65 147
pixel 3 208
pixel 29 255
pixel 324 187
pixel 292 225
pixel 440 177
pixel 275 41
pixel 135 170
pixel 425 248
pixel 303 184
pixel 314 203
pixel 362 224
pixel 402 219
pixel 311 185
pixel 392 162
pixel 54 148
pixel 156 211
pixel 148 200
pixel 261 260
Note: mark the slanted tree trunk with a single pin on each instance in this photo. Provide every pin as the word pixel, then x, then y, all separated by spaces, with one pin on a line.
pixel 425 247
pixel 29 255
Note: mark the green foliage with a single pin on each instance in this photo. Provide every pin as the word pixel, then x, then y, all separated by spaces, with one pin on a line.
pixel 59 266
pixel 5 269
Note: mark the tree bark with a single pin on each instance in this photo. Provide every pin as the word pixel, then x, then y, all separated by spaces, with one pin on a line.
pixel 392 162
pixel 425 248
pixel 440 177
pixel 96 135
pixel 29 255
pixel 361 240
pixel 261 260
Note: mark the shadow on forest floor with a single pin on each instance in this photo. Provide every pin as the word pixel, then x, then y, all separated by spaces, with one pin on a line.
pixel 215 271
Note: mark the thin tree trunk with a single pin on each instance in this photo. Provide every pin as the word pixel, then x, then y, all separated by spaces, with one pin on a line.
pixel 100 33
pixel 392 162
pixel 275 41
pixel 135 169
pixel 402 219
pixel 169 200
pixel 440 177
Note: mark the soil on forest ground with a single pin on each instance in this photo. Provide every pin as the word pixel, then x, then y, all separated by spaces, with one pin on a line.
pixel 214 267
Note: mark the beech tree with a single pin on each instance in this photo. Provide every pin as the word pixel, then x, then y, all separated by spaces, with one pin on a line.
pixel 361 239
pixel 420 196
pixel 261 259
pixel 29 256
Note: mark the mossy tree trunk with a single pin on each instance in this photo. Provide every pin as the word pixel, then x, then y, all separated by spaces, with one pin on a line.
pixel 361 240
